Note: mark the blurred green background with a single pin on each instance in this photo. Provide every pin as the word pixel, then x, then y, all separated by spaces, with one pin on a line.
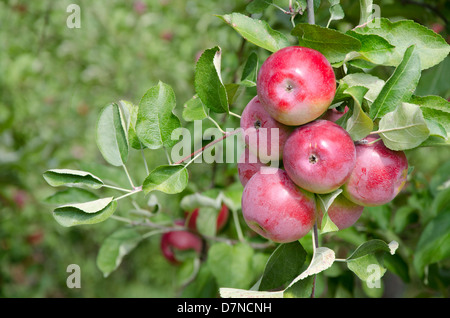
pixel 53 82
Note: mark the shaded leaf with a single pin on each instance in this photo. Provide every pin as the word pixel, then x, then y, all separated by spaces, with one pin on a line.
pixel 283 266
pixel 155 119
pixel 115 247
pixel 72 178
pixel 399 87
pixel 169 179
pixel 85 213
pixel 256 31
pixel 333 44
pixel 208 81
pixel 431 47
pixel 404 128
pixel 111 135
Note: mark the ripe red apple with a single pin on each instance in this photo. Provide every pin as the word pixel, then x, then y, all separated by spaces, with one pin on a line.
pixel 275 208
pixel 296 85
pixel 260 128
pixel 248 165
pixel 379 174
pixel 222 218
pixel 179 240
pixel 343 212
pixel 319 156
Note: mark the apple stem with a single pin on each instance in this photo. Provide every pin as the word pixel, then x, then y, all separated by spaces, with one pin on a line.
pixel 128 176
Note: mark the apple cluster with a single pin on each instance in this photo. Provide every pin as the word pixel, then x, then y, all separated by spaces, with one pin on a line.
pixel 290 122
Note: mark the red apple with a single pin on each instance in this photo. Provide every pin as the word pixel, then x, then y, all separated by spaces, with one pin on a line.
pixel 222 218
pixel 179 240
pixel 263 135
pixel 343 212
pixel 296 85
pixel 319 156
pixel 379 174
pixel 275 208
pixel 248 165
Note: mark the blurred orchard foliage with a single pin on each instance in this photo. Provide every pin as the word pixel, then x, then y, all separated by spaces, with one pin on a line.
pixel 53 83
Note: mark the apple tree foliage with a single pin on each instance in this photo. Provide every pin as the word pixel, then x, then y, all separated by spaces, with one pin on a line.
pixel 236 262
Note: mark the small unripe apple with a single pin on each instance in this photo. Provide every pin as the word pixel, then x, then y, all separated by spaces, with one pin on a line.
pixel 319 156
pixel 275 208
pixel 248 165
pixel 343 212
pixel 296 85
pixel 179 241
pixel 264 136
pixel 379 174
pixel 222 218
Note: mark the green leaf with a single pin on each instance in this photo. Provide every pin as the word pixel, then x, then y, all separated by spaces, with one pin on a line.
pixel 90 212
pixel 336 12
pixel 72 178
pixel 372 83
pixel 333 44
pixel 256 31
pixel 431 47
pixel 283 266
pixel 257 6
pixel 367 260
pixel 404 128
pixel 374 48
pixel 434 242
pixel 112 140
pixel 359 125
pixel 169 179
pixel 434 108
pixel 324 202
pixel 130 111
pixel 155 119
pixel 301 289
pixel 232 196
pixel 373 246
pixel 71 195
pixel 231 265
pixel 207 220
pixel 194 110
pixel 115 247
pixel 196 200
pixel 365 11
pixel 322 259
pixel 250 71
pixel 208 81
pixel 399 87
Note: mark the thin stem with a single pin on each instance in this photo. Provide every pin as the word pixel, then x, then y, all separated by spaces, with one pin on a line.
pixel 192 160
pixel 151 233
pixel 145 160
pixel 138 189
pixel 117 188
pixel 237 225
pixel 235 115
pixel 122 219
pixel 128 176
pixel 216 124
pixel 167 156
